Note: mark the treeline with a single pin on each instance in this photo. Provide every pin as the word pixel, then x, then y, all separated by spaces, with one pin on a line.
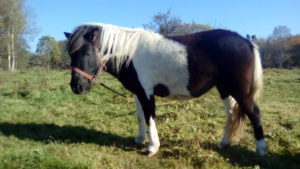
pixel 280 50
pixel 13 28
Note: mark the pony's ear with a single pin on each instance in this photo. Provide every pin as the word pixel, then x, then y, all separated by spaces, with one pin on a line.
pixel 68 35
pixel 93 36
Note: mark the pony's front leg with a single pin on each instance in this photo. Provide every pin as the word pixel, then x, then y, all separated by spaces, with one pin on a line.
pixel 154 143
pixel 148 106
pixel 141 120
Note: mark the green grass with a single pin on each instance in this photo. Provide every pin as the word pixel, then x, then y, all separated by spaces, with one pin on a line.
pixel 44 125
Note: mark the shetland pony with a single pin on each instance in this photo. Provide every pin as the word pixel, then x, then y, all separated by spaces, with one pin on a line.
pixel 149 64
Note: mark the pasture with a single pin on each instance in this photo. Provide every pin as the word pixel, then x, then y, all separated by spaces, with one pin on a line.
pixel 44 125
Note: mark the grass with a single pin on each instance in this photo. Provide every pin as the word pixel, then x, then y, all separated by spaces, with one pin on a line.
pixel 44 125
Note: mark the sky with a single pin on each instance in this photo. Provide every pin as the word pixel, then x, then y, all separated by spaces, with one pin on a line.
pixel 254 17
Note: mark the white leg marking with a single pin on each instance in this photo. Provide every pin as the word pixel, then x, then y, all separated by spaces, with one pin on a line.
pixel 154 143
pixel 141 120
pixel 261 147
pixel 229 103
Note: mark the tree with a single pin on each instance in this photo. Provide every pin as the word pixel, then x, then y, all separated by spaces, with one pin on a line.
pixel 188 28
pixel 280 38
pixel 65 58
pixel 15 25
pixel 12 23
pixel 166 24
pixel 280 49
pixel 48 50
pixel 163 23
pixel 280 32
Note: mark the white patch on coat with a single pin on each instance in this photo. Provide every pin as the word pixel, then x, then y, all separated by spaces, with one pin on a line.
pixel 229 104
pixel 160 60
pixel 155 58
pixel 154 143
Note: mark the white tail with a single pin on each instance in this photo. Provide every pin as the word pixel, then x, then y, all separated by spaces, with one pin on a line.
pixel 257 74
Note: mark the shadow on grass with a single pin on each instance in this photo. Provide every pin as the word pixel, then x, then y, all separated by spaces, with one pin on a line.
pixel 67 134
pixel 243 157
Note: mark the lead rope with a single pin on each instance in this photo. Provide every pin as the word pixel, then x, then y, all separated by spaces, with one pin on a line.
pixel 130 99
pixel 118 93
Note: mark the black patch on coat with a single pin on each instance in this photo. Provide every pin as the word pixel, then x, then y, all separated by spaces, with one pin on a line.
pixel 214 57
pixel 128 77
pixel 161 90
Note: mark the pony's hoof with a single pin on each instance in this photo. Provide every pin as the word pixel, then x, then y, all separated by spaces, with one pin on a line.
pixel 261 148
pixel 149 153
pixel 139 140
pixel 261 152
pixel 151 150
pixel 224 145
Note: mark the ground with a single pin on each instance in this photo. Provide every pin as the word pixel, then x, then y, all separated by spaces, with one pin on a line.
pixel 44 125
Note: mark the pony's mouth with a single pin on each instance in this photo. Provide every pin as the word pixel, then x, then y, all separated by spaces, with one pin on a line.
pixel 80 89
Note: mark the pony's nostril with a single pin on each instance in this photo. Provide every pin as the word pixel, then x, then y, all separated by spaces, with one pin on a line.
pixel 80 89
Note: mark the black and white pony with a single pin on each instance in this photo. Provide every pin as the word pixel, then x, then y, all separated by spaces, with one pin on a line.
pixel 148 64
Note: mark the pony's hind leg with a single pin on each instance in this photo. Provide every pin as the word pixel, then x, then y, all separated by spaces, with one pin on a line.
pixel 141 123
pixel 234 121
pixel 253 113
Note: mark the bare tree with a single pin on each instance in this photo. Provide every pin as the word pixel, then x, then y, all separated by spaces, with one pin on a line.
pixel 280 38
pixel 274 49
pixel 166 24
pixel 163 23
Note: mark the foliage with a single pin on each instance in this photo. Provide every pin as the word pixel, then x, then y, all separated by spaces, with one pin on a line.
pixel 166 24
pixel 48 49
pixel 163 23
pixel 13 23
pixel 280 49
pixel 65 58
pixel 44 125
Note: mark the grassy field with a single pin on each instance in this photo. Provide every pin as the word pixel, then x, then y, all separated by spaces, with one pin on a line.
pixel 44 125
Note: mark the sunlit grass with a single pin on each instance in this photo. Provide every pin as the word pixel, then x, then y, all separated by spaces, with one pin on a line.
pixel 44 125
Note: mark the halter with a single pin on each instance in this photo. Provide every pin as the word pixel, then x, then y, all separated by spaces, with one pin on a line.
pixel 88 76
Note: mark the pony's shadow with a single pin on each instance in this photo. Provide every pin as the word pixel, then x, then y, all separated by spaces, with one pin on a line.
pixel 243 157
pixel 48 133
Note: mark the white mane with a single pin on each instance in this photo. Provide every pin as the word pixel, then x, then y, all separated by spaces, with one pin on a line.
pixel 118 43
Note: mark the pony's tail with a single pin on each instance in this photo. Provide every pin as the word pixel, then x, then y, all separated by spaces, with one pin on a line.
pixel 235 122
pixel 257 74
pixel 237 117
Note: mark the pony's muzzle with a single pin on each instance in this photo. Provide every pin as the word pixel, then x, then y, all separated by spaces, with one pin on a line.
pixel 79 88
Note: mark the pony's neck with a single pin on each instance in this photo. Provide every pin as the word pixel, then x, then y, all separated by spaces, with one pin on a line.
pixel 111 68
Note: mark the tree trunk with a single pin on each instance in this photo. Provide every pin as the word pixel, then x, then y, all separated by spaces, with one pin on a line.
pixel 13 53
pixel 8 56
pixel 8 50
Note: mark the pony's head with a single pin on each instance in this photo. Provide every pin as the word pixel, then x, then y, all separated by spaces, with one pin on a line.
pixel 83 48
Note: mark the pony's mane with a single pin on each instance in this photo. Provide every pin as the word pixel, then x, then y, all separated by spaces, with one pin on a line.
pixel 116 43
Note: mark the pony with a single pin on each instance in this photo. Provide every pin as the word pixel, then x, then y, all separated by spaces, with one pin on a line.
pixel 149 64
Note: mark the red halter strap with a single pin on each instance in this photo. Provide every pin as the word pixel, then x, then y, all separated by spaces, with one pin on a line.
pixel 82 73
